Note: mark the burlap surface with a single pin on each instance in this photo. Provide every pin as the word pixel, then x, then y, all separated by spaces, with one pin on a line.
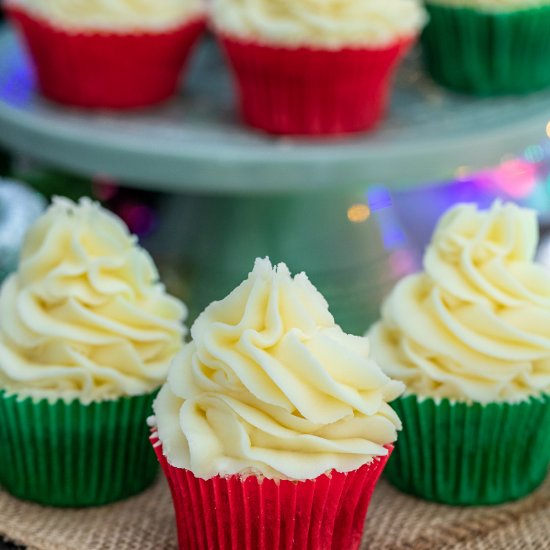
pixel 395 522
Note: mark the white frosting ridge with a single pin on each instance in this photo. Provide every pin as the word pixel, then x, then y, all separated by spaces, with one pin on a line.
pixel 113 15
pixel 271 385
pixel 475 326
pixel 85 316
pixel 324 23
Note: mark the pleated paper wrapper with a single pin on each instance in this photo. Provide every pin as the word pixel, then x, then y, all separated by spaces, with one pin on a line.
pixel 463 454
pixel 249 513
pixel 488 53
pixel 71 454
pixel 103 69
pixel 312 92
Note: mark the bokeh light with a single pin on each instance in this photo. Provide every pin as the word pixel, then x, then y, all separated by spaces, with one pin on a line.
pixel 517 178
pixel 358 213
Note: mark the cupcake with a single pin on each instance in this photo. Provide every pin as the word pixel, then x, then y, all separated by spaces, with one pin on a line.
pixel 86 336
pixel 489 47
pixel 273 426
pixel 470 337
pixel 315 67
pixel 116 54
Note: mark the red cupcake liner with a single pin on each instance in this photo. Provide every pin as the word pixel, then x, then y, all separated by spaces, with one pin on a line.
pixel 104 69
pixel 312 92
pixel 249 513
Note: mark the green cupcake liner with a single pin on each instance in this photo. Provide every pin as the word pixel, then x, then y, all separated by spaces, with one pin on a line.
pixel 73 455
pixel 485 53
pixel 476 454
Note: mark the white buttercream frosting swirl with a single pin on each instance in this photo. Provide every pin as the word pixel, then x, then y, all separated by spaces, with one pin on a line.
pixel 84 316
pixel 475 326
pixel 324 23
pixel 497 6
pixel 270 385
pixel 113 15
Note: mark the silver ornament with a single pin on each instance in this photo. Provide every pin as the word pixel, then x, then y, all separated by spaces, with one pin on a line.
pixel 20 206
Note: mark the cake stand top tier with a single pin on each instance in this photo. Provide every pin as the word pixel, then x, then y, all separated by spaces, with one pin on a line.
pixel 195 142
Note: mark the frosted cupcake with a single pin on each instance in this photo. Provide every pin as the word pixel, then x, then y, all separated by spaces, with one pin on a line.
pixel 116 54
pixel 273 427
pixel 86 337
pixel 470 337
pixel 489 47
pixel 315 67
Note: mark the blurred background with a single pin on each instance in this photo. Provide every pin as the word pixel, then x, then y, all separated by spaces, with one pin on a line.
pixel 354 246
pixel 354 241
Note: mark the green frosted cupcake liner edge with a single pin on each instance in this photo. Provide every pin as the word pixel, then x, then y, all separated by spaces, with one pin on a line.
pixel 73 455
pixel 476 454
pixel 486 53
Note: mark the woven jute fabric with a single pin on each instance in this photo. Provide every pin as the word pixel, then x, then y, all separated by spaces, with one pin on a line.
pixel 395 522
